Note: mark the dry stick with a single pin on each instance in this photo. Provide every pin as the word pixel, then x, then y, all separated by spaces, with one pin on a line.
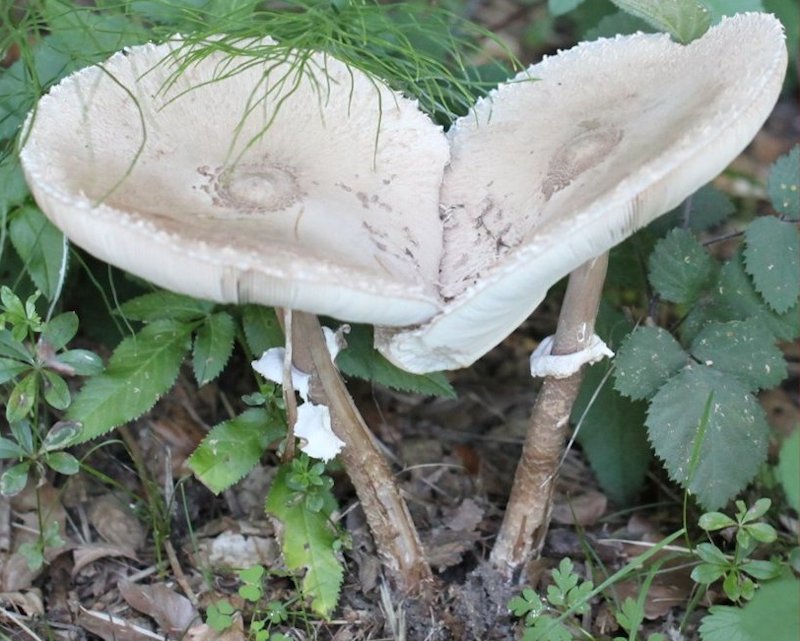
pixel 530 504
pixel 387 514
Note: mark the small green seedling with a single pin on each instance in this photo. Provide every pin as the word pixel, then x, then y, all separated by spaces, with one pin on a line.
pixel 737 571
pixel 567 592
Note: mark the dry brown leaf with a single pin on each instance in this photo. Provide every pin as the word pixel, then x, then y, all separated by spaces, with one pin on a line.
pixel 114 628
pixel 28 602
pixel 465 518
pixel 173 612
pixel 87 554
pixel 231 550
pixel 115 522
pixel 583 509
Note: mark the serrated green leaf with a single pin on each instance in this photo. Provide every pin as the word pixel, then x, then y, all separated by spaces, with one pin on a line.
pixel 63 463
pixel 771 614
pixel 12 183
pixel 82 361
pixel 547 628
pixel 736 431
pixel 41 247
pixel 788 469
pixel 684 20
pixel 11 368
pixel 308 543
pixel 707 208
pixel 679 267
pixel 743 349
pixel 163 305
pixel 261 329
pixel 735 298
pixel 22 398
pixel 772 258
pixel 362 360
pixel 232 448
pixel 213 345
pixel 783 184
pixel 14 479
pixel 60 330
pixel 56 392
pixel 645 360
pixel 612 436
pixel 141 369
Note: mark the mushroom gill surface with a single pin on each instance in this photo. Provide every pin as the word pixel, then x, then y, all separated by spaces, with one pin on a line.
pixel 296 181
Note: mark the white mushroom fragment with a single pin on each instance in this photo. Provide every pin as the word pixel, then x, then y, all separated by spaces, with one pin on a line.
pixel 298 182
pixel 574 155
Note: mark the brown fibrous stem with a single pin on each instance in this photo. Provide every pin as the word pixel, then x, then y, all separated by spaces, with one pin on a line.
pixel 530 504
pixel 387 514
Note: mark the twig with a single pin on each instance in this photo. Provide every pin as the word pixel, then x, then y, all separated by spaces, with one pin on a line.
pixel 177 570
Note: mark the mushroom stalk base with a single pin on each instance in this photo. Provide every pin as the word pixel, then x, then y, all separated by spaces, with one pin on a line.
pixel 387 514
pixel 529 506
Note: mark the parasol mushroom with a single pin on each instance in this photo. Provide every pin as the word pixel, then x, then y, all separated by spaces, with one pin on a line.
pixel 571 157
pixel 265 176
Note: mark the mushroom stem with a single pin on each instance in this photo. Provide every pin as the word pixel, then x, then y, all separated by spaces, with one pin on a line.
pixel 529 506
pixel 387 514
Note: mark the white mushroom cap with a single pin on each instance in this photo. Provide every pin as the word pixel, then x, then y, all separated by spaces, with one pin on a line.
pixel 548 173
pixel 243 180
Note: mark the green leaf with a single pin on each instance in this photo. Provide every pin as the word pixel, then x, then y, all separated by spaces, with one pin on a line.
pixel 22 398
pixel 9 449
pixel 707 573
pixel 10 369
pixel 710 553
pixel 42 248
pixel 645 360
pixel 308 543
pixel 261 329
pixel 14 479
pixel 762 570
pixel 771 615
pixel 734 298
pixel 213 346
pixel 721 8
pixel 757 510
pixel 743 349
pixel 60 435
pixel 788 470
pixel 60 330
pixel 772 258
pixel 712 521
pixel 232 448
pixel 612 436
pixel 12 183
pixel 680 268
pixel 783 184
pixel 12 348
pixel 560 7
pixel 684 20
pixel 707 208
pixel 56 392
pixel 547 628
pixel 736 431
pixel 82 361
pixel 141 369
pixel 162 305
pixel 63 463
pixel 362 360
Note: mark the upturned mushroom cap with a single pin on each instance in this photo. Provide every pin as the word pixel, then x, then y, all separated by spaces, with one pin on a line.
pixel 242 179
pixel 550 172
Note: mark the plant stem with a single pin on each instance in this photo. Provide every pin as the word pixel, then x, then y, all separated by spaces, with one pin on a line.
pixel 530 503
pixel 387 514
